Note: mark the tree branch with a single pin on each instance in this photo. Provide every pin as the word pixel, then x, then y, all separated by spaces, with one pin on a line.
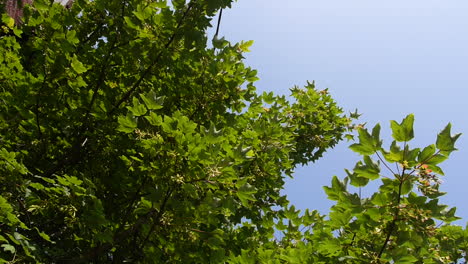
pixel 395 218
pixel 136 85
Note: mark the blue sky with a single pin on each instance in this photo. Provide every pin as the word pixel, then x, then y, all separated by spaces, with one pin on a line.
pixel 385 58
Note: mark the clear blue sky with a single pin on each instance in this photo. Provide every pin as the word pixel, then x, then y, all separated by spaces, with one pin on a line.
pixel 385 58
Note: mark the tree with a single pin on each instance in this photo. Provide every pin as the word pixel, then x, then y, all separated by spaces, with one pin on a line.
pixel 125 138
pixel 402 222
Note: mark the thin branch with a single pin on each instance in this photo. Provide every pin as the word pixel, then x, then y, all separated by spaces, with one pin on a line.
pixel 219 22
pixel 37 105
pixel 395 219
pixel 157 218
pixel 384 163
pixel 425 161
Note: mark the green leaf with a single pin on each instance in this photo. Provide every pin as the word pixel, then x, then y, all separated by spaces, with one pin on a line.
pixel 368 144
pixel 137 109
pixel 244 46
pixel 449 215
pixel 340 217
pixel 9 21
pixel 130 23
pixel 406 186
pixel 395 154
pixel 426 153
pixel 268 97
pixel 369 169
pixel 403 132
pixel 337 189
pixel 219 43
pixel 408 259
pixel 246 193
pixel 374 213
pixel 77 65
pixel 43 235
pixel 154 119
pixel 380 199
pixel 445 141
pixel 436 159
pixel 8 247
pixel 435 169
pixel 127 124
pixel 152 101
pixel 356 180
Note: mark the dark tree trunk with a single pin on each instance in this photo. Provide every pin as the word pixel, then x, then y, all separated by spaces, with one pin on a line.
pixel 14 8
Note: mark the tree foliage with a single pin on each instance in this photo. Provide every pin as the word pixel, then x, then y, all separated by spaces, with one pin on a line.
pixel 401 222
pixel 125 136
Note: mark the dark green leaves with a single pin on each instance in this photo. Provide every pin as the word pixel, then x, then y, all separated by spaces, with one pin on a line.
pixel 246 193
pixel 403 132
pixel 152 101
pixel 427 153
pixel 368 143
pixel 77 65
pixel 127 124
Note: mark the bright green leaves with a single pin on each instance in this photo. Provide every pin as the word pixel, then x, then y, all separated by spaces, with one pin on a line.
pixel 9 161
pixel 9 21
pixel 445 141
pixel 77 65
pixel 138 109
pixel 406 185
pixel 368 143
pixel 381 199
pixel 244 46
pixel 336 191
pixel 6 213
pixel 404 208
pixel 127 124
pixel 403 132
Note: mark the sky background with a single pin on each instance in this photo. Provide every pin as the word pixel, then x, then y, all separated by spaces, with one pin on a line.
pixel 385 58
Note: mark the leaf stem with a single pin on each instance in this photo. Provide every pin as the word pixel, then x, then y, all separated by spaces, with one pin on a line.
pixel 384 163
pixel 219 22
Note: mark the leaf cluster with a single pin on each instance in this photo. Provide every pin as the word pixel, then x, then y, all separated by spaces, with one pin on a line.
pixel 125 138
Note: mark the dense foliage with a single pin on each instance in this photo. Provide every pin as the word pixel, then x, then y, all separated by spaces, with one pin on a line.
pixel 402 222
pixel 127 136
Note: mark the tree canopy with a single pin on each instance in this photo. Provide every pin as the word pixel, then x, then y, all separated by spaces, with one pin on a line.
pixel 126 135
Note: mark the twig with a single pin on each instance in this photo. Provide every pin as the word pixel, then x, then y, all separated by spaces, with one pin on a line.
pixel 395 219
pixel 219 22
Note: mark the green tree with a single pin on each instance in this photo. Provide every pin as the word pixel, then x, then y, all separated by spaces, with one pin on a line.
pixel 402 222
pixel 125 138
